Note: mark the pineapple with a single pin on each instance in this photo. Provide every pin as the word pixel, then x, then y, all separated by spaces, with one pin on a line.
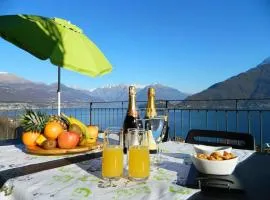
pixel 60 120
pixel 33 121
pixel 33 124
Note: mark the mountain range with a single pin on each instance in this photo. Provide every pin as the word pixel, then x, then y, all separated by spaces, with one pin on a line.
pixel 254 83
pixel 14 89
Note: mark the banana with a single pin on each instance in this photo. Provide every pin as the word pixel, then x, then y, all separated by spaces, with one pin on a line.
pixel 73 120
pixel 87 142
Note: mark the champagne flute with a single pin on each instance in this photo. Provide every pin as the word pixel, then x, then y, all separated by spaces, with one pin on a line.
pixel 157 128
pixel 156 133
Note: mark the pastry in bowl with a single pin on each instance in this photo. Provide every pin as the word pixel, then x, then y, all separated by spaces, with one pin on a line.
pixel 215 163
pixel 204 149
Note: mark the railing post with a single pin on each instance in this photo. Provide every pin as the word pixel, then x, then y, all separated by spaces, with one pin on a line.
pixel 189 119
pixel 174 126
pixel 167 113
pixel 105 118
pixel 90 109
pixel 226 120
pixel 216 120
pixel 198 112
pixel 166 104
pixel 99 118
pixel 236 113
pixel 112 117
pixel 206 119
pixel 181 124
pixel 261 133
pixel 122 110
pixel 249 125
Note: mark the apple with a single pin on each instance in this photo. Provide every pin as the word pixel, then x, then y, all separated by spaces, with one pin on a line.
pixel 68 140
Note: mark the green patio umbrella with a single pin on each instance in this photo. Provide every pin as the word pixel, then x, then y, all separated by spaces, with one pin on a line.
pixel 55 39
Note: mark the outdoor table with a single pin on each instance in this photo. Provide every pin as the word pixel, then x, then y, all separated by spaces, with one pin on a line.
pixel 25 177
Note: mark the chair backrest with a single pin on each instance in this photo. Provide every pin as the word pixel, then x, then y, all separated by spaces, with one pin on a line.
pixel 220 138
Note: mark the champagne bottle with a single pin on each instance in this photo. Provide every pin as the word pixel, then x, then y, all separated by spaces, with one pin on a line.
pixel 131 116
pixel 151 113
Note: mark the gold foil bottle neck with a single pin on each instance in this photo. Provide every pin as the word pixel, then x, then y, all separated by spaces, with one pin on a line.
pixel 132 111
pixel 151 92
pixel 132 90
pixel 151 107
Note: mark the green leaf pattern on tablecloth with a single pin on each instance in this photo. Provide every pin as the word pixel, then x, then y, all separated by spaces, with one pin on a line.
pixel 162 175
pixel 81 192
pixel 126 193
pixel 89 178
pixel 180 190
pixel 63 179
pixel 67 169
pixel 7 190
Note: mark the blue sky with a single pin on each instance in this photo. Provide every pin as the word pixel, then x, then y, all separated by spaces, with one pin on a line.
pixel 186 44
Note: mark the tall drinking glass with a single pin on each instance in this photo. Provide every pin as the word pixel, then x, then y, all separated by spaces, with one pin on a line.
pixel 138 155
pixel 112 156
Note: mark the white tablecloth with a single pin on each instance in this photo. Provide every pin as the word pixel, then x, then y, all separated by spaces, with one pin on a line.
pixel 83 180
pixel 13 156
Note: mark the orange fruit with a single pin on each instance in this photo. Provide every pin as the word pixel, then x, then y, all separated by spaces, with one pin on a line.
pixel 93 130
pixel 29 138
pixel 52 130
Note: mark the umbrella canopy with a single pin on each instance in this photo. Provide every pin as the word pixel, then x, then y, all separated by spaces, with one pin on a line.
pixel 55 39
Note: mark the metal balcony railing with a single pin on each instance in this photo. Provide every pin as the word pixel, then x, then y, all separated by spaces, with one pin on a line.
pixel 238 115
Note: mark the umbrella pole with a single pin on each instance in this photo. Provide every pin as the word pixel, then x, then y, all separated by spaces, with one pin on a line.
pixel 58 91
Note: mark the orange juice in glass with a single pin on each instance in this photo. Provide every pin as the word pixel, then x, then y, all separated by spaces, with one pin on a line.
pixel 112 155
pixel 138 155
pixel 112 162
pixel 138 163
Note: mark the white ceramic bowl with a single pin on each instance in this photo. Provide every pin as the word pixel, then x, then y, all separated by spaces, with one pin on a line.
pixel 223 167
pixel 210 149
